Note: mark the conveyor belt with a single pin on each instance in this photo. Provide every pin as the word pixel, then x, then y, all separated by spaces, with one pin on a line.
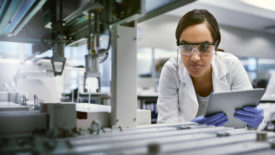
pixel 188 138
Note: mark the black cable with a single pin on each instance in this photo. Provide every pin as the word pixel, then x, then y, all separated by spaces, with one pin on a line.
pixel 89 34
pixel 106 51
pixel 104 58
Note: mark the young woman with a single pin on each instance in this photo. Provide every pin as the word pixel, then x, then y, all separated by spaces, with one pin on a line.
pixel 187 82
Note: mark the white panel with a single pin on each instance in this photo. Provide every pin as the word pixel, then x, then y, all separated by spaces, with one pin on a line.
pixel 124 75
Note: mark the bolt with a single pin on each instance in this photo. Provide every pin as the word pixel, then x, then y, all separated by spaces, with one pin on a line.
pixel 272 144
pixel 222 134
pixel 120 128
pixel 261 136
pixel 183 127
pixel 153 148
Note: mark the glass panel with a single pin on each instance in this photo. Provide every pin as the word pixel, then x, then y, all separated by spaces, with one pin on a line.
pixel 161 56
pixel 258 70
pixel 265 68
pixel 15 50
pixel 144 62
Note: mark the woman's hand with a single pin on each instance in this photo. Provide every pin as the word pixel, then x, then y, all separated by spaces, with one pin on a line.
pixel 218 119
pixel 253 116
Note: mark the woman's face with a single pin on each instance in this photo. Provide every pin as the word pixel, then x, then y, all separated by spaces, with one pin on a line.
pixel 197 65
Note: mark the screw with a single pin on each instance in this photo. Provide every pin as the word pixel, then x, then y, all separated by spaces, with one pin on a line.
pixel 261 136
pixel 222 134
pixel 272 144
pixel 183 127
pixel 153 148
pixel 120 128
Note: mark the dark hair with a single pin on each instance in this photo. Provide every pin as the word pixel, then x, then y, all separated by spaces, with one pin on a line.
pixel 198 16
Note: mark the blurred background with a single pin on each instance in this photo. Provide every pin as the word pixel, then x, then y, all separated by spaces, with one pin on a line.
pixel 247 29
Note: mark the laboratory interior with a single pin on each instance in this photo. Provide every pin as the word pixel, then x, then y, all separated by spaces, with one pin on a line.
pixel 83 77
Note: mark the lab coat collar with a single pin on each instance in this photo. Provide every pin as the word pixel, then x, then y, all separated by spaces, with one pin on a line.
pixel 182 71
pixel 189 98
pixel 218 68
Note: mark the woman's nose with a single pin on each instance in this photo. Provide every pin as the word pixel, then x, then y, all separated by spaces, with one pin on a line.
pixel 195 56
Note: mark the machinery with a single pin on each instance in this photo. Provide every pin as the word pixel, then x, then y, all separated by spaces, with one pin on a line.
pixel 185 138
pixel 74 128
pixel 55 24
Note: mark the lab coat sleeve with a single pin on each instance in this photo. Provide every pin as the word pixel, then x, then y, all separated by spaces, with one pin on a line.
pixel 167 103
pixel 239 77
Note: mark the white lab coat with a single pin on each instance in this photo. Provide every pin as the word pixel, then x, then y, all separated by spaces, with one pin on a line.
pixel 177 100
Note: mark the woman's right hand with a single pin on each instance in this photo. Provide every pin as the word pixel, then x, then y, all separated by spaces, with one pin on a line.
pixel 218 119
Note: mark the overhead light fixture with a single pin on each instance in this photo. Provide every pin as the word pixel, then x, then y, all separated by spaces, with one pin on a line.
pixel 265 4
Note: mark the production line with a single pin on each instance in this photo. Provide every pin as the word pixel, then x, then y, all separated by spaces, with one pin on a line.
pixel 36 119
pixel 187 138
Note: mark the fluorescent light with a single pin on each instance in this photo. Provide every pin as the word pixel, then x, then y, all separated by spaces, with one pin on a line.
pixel 265 4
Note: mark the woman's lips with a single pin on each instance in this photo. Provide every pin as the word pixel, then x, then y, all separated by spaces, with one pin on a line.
pixel 195 66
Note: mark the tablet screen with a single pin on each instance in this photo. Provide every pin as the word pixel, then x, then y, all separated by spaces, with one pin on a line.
pixel 228 102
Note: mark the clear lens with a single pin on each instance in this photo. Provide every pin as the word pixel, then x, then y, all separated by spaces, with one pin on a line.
pixel 187 48
pixel 202 50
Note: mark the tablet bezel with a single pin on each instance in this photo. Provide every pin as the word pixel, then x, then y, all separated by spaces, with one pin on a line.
pixel 231 101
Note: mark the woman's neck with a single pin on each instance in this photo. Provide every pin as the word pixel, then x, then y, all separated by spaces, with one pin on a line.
pixel 203 84
pixel 204 78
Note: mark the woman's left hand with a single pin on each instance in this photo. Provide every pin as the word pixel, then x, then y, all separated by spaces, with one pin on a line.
pixel 253 116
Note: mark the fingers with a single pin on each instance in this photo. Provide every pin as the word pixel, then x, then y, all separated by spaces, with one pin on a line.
pixel 221 123
pixel 199 119
pixel 218 120
pixel 245 113
pixel 245 118
pixel 250 113
pixel 253 122
pixel 214 118
pixel 253 109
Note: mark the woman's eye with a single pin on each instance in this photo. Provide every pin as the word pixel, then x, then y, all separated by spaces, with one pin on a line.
pixel 187 47
pixel 203 48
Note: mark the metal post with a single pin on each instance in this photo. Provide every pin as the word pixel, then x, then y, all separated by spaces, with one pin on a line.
pixel 124 76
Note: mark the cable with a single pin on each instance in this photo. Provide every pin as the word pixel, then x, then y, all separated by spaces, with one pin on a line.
pixel 106 51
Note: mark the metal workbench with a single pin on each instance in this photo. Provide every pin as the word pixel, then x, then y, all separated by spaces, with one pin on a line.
pixel 186 138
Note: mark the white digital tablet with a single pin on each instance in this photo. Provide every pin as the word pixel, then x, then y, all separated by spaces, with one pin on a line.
pixel 228 102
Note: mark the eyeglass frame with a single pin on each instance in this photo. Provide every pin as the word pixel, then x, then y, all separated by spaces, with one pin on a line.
pixel 193 49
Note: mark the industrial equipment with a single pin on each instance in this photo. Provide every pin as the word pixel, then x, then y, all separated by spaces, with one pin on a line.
pixel 77 128
pixel 183 138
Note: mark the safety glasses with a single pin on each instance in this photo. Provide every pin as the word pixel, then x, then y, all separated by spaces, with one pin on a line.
pixel 203 49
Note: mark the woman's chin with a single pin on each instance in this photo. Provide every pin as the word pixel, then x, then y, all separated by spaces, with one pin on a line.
pixel 195 75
